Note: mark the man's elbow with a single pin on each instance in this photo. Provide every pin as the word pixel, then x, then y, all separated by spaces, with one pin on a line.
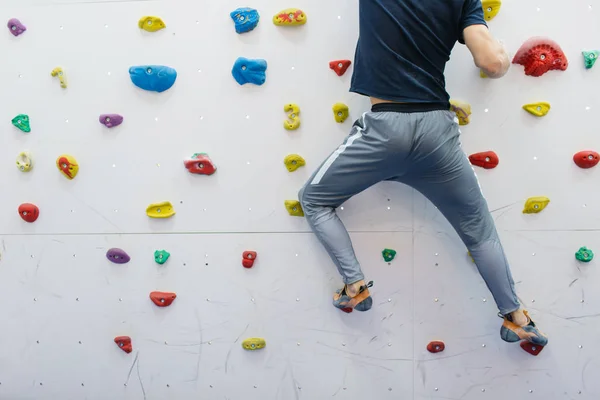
pixel 495 67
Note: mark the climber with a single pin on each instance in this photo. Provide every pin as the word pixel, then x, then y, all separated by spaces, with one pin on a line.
pixel 411 136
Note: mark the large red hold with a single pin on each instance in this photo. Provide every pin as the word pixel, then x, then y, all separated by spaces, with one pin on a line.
pixel 533 349
pixel 586 159
pixel 248 258
pixel 540 55
pixel 436 346
pixel 340 66
pixel 29 212
pixel 485 159
pixel 124 343
pixel 162 299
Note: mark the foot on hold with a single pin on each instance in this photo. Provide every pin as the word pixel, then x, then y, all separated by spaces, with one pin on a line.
pixel 58 72
pixel 539 55
pixel 388 254
pixel 340 112
pixel 534 205
pixel 340 66
pixel 200 163
pixel 151 24
pixel 67 165
pixel 462 111
pixel 294 208
pixel 153 78
pixel 254 343
pixel 21 121
pixel 245 19
pixel 590 57
pixel 249 71
pixel 586 159
pixel 293 162
pixel 290 17
pixel 511 332
pixel 162 299
pixel 16 27
pixel 362 301
pixel 111 120
pixel 161 256
pixel 584 254
pixel 124 343
pixel 160 210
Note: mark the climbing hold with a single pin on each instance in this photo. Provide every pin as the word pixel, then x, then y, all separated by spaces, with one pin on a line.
pixel 538 109
pixel 293 162
pixel 151 24
pixel 200 163
pixel 21 121
pixel 248 258
pixel 161 256
pixel 58 72
pixel 294 117
pixel 249 71
pixel 340 112
pixel 24 161
pixel 490 8
pixel 29 212
pixel 340 66
pixel 124 343
pixel 590 57
pixel 162 299
pixel 160 210
pixel 111 120
pixel 290 17
pixel 486 159
pixel 67 165
pixel 254 343
pixel 117 256
pixel 245 19
pixel 540 55
pixel 154 78
pixel 470 256
pixel 462 110
pixel 586 159
pixel 16 27
pixel 294 208
pixel 388 254
pixel 584 254
pixel 482 74
pixel 534 205
pixel 436 346
pixel 533 349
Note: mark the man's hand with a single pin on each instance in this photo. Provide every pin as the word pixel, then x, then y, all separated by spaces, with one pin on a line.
pixel 488 54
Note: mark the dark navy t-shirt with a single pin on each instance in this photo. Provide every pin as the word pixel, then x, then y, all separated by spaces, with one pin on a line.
pixel 404 45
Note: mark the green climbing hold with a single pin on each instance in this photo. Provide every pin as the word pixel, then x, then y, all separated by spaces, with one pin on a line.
pixel 161 256
pixel 584 254
pixel 21 121
pixel 590 57
pixel 388 254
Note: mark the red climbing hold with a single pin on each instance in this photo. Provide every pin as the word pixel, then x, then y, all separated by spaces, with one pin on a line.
pixel 248 259
pixel 436 346
pixel 540 55
pixel 533 349
pixel 486 159
pixel 586 159
pixel 29 212
pixel 200 163
pixel 340 66
pixel 162 299
pixel 124 343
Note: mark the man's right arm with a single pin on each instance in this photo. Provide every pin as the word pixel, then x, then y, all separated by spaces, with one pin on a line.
pixel 488 53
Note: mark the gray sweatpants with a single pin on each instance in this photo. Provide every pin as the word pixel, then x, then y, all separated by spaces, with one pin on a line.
pixel 422 150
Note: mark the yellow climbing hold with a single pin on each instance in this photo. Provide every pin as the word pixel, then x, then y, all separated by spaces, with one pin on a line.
pixel 24 161
pixel 160 210
pixel 534 205
pixel 67 165
pixel 151 24
pixel 340 112
pixel 538 109
pixel 462 110
pixel 491 8
pixel 482 74
pixel 294 117
pixel 293 162
pixel 254 343
pixel 290 17
pixel 58 72
pixel 294 208
pixel 469 254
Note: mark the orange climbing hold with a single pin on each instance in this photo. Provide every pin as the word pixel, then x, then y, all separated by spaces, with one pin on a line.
pixel 340 66
pixel 162 299
pixel 248 258
pixel 124 343
pixel 486 159
pixel 436 346
pixel 586 159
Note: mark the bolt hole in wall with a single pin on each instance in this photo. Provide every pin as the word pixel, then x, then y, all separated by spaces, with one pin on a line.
pixel 241 337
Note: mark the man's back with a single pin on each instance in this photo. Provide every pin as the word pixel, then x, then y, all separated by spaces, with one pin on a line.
pixel 404 46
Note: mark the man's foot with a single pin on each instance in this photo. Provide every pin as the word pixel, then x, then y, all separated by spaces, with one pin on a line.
pixel 525 330
pixel 354 298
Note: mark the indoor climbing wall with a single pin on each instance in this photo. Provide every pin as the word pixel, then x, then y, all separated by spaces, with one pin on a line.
pixel 151 243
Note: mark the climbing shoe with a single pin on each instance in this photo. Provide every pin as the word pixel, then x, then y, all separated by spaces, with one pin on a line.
pixel 361 302
pixel 511 332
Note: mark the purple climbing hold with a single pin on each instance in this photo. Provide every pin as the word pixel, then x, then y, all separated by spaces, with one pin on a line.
pixel 117 256
pixel 16 27
pixel 111 120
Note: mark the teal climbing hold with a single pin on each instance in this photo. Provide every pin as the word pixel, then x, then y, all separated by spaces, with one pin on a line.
pixel 21 121
pixel 161 256
pixel 584 254
pixel 388 254
pixel 590 57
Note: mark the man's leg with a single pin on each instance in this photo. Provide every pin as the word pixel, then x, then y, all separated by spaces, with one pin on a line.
pixel 443 173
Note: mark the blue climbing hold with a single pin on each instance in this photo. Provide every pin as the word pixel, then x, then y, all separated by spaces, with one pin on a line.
pixel 245 19
pixel 155 78
pixel 249 71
